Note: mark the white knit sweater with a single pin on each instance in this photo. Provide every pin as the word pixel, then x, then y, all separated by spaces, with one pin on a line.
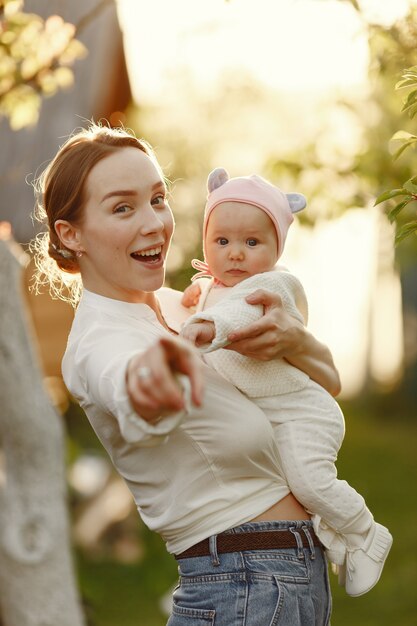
pixel 230 312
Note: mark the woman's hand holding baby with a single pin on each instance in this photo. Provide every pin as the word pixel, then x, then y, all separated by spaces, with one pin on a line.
pixel 275 335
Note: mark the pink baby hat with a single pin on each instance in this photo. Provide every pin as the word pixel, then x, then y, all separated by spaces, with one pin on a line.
pixel 257 191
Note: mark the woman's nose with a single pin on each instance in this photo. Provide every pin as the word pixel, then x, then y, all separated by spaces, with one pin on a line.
pixel 151 222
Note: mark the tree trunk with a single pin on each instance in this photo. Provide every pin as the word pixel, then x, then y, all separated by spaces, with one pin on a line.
pixel 36 572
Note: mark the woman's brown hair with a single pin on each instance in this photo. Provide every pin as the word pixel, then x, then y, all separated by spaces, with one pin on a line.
pixel 60 191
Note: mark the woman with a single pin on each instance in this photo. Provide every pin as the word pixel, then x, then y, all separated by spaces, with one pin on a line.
pixel 198 456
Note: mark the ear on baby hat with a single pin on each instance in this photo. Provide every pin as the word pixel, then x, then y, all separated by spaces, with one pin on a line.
pixel 296 201
pixel 217 178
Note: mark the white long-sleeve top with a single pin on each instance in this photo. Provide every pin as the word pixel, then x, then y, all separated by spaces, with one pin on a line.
pixel 192 474
pixel 227 308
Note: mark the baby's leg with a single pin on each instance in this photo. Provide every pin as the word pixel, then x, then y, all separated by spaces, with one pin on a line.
pixel 309 429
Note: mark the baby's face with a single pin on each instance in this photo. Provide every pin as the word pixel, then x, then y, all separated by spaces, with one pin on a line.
pixel 240 241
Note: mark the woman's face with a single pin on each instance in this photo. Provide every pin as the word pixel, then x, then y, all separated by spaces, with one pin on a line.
pixel 126 228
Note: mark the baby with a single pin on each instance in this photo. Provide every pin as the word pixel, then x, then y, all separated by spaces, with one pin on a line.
pixel 245 226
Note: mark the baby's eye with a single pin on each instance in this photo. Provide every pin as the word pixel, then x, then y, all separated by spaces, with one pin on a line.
pixel 159 200
pixel 222 241
pixel 122 208
pixel 252 242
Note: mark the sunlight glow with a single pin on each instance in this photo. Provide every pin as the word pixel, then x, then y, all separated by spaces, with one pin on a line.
pixel 290 45
pixel 384 13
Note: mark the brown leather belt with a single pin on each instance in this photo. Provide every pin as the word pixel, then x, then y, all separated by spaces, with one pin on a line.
pixel 265 540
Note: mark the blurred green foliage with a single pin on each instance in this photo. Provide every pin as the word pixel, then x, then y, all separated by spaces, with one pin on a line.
pixel 394 57
pixel 371 171
pixel 36 56
pixel 401 141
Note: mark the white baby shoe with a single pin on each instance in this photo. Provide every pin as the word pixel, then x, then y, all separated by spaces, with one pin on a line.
pixel 363 567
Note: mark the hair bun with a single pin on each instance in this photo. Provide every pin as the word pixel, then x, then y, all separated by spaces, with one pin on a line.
pixel 65 259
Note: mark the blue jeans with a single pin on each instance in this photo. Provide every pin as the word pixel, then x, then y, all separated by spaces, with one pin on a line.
pixel 283 587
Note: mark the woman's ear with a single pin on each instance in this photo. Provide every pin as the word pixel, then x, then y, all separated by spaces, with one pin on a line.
pixel 68 234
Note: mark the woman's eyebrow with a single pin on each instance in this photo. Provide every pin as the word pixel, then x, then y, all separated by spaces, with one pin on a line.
pixel 159 185
pixel 131 192
pixel 119 192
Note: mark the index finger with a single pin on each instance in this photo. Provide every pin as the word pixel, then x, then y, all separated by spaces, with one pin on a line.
pixel 185 360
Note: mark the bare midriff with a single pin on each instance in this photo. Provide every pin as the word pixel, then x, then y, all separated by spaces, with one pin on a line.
pixel 286 509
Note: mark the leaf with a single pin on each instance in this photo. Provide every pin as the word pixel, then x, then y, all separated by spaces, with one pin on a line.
pixel 405 83
pixel 58 34
pixel 392 215
pixel 405 231
pixel 400 150
pixel 411 98
pixel 12 7
pixel 29 67
pixel 7 37
pixel 410 101
pixel 7 67
pixel 410 75
pixel 401 135
pixel 74 51
pixel 403 138
pixel 411 185
pixel 47 83
pixel 64 77
pixel 21 105
pixel 410 71
pixel 411 109
pixel 392 193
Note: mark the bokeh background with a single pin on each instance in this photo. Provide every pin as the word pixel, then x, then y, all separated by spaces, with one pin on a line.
pixel 303 93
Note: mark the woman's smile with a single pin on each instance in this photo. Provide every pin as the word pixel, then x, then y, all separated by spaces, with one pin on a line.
pixel 151 257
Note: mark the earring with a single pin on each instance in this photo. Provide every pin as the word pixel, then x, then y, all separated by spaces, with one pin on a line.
pixel 79 254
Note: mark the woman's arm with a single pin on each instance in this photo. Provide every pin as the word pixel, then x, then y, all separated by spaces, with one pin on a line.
pixel 279 335
pixel 316 360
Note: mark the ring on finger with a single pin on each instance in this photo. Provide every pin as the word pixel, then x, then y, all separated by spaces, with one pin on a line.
pixel 144 372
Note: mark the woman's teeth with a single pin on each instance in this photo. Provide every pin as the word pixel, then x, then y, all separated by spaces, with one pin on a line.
pixel 151 252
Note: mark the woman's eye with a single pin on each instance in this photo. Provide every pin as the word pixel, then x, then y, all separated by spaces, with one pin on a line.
pixel 122 208
pixel 252 242
pixel 222 241
pixel 159 200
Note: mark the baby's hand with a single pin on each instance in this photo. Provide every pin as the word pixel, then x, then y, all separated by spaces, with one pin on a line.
pixel 191 295
pixel 199 333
